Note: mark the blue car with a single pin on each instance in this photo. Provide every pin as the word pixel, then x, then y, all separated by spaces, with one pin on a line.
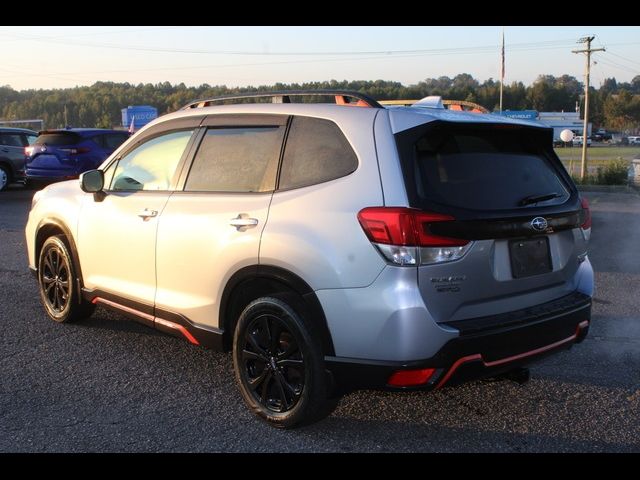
pixel 64 154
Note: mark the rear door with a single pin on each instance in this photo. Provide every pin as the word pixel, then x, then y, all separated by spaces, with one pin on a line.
pixel 12 150
pixel 212 228
pixel 510 204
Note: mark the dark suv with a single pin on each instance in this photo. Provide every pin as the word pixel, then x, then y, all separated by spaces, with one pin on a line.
pixel 66 153
pixel 12 144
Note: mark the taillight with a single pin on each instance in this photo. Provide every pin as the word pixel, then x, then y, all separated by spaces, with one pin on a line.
pixel 402 235
pixel 586 214
pixel 28 151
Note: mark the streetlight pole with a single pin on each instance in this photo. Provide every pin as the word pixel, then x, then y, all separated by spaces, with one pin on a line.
pixel 588 50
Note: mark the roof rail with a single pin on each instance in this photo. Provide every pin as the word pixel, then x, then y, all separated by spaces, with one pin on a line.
pixel 283 96
pixel 459 105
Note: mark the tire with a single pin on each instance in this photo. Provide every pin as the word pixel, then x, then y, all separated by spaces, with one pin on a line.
pixel 5 177
pixel 56 281
pixel 279 365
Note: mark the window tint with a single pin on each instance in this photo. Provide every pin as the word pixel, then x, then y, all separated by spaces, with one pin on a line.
pixel 58 138
pixel 151 165
pixel 31 139
pixel 484 168
pixel 316 152
pixel 236 160
pixel 11 140
pixel 111 141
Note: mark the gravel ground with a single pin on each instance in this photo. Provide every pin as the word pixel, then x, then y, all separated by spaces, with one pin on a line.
pixel 109 384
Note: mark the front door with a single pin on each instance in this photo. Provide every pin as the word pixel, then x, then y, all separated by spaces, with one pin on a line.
pixel 117 234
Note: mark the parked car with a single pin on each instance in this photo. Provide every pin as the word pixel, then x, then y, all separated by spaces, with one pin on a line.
pixel 329 247
pixel 64 154
pixel 12 144
pixel 634 140
pixel 578 140
pixel 601 135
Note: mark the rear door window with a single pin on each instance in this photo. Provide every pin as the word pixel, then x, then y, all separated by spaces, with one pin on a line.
pixel 11 140
pixel 239 159
pixel 481 167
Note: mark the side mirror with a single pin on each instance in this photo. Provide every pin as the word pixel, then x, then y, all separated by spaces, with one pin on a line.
pixel 92 181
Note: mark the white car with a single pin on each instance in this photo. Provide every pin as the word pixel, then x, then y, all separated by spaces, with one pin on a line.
pixel 579 139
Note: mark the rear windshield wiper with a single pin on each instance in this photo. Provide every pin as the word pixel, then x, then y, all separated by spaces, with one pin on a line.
pixel 537 198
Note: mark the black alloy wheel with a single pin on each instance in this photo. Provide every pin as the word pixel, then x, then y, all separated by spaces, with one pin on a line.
pixel 56 278
pixel 279 364
pixel 272 363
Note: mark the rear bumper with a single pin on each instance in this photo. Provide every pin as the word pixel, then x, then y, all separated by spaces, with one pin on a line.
pixel 480 352
pixel 45 178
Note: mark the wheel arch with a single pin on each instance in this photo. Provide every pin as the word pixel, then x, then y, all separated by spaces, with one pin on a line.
pixel 49 227
pixel 256 281
pixel 6 163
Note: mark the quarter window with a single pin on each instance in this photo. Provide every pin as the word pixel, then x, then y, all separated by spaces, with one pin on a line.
pixel 316 152
pixel 239 159
pixel 111 141
pixel 151 166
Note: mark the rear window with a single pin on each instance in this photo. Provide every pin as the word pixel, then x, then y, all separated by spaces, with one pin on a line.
pixel 62 138
pixel 480 167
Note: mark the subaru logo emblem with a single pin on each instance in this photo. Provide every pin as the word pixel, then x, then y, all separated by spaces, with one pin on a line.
pixel 539 224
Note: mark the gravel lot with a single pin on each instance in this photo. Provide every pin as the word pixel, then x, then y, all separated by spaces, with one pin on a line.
pixel 110 384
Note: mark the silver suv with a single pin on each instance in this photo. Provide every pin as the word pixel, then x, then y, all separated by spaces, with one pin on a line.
pixel 331 247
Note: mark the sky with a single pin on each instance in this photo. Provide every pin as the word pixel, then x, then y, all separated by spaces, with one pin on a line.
pixel 60 57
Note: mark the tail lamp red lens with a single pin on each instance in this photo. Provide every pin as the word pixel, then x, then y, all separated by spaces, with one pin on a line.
pixel 405 227
pixel 410 378
pixel 586 211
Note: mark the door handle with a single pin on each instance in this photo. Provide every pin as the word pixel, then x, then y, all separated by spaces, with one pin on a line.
pixel 242 222
pixel 148 213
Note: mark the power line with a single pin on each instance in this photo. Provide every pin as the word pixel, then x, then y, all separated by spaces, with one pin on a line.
pixel 518 46
pixel 612 63
pixel 623 58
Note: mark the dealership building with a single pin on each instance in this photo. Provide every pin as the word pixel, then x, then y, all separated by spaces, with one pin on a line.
pixel 559 121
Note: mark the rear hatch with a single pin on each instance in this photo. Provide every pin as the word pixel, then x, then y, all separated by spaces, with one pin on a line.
pixel 500 221
pixel 55 150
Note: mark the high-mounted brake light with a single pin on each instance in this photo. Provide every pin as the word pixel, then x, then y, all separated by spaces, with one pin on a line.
pixel 402 235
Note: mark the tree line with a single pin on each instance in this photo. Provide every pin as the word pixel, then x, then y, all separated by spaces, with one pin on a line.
pixel 614 105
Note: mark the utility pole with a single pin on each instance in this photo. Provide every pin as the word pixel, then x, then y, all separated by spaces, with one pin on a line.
pixel 502 70
pixel 588 50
